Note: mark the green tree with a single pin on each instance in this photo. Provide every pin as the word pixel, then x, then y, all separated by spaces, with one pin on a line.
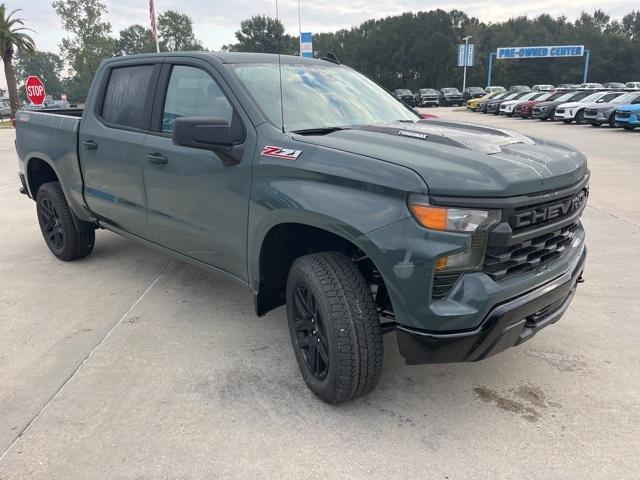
pixel 46 65
pixel 135 39
pixel 263 34
pixel 176 32
pixel 13 39
pixel 89 46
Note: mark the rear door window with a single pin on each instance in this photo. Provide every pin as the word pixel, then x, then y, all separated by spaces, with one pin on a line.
pixel 126 95
pixel 193 93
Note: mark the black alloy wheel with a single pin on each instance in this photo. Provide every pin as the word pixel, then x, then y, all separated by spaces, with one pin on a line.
pixel 310 332
pixel 52 228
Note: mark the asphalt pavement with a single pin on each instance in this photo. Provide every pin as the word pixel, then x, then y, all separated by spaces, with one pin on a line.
pixel 131 365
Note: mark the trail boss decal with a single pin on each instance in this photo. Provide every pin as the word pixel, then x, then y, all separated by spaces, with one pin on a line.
pixel 278 152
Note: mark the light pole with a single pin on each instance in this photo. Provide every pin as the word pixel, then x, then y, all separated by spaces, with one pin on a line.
pixel 466 61
pixel 299 28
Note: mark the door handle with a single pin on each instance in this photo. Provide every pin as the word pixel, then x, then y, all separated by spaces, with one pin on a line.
pixel 157 159
pixel 90 145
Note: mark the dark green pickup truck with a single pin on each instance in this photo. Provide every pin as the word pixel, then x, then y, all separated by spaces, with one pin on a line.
pixel 317 189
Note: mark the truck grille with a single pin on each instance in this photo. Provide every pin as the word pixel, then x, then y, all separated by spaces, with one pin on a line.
pixel 503 262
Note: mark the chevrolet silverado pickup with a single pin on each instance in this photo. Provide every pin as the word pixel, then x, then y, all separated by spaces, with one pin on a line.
pixel 315 188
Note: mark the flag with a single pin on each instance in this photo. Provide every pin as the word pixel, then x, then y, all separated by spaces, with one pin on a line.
pixel 154 25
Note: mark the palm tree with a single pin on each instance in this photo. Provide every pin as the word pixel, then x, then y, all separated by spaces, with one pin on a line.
pixel 12 39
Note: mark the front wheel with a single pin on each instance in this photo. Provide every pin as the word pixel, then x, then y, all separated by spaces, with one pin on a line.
pixel 629 127
pixel 334 326
pixel 57 225
pixel 580 118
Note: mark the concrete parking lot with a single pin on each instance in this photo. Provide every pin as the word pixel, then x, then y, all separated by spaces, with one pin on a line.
pixel 129 364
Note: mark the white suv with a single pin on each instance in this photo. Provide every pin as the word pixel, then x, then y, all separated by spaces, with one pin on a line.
pixel 568 112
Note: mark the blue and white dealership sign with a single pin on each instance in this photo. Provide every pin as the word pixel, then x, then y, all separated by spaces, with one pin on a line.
pixel 466 55
pixel 306 45
pixel 505 53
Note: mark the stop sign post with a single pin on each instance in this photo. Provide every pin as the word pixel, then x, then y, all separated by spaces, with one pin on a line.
pixel 35 90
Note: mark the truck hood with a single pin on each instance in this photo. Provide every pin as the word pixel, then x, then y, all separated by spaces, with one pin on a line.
pixel 459 159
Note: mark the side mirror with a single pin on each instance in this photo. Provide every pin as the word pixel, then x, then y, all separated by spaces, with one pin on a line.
pixel 208 133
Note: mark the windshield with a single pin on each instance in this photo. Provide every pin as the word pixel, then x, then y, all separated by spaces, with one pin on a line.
pixel 592 98
pixel 319 96
pixel 475 90
pixel 450 90
pixel 626 98
pixel 428 91
pixel 545 96
pixel 565 97
pixel 401 91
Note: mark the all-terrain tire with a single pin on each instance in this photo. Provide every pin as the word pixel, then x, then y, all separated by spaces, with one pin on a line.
pixel 341 317
pixel 57 225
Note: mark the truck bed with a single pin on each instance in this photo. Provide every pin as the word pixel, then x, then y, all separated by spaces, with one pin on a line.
pixel 52 136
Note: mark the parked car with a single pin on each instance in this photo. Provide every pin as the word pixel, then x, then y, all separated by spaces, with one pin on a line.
pixel 546 110
pixel 507 107
pixel 605 112
pixel 405 95
pixel 590 86
pixel 574 110
pixel 628 116
pixel 450 96
pixel 523 109
pixel 5 109
pixel 482 105
pixel 519 88
pixel 474 102
pixel 495 89
pixel 632 86
pixel 543 88
pixel 493 106
pixel 429 97
pixel 614 86
pixel 472 92
pixel 419 236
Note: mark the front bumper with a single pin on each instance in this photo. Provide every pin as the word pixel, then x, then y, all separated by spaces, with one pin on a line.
pixel 565 114
pixel 506 325
pixel 631 120
pixel 542 113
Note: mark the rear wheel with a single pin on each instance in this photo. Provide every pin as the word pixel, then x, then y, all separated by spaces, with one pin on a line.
pixel 334 326
pixel 57 225
pixel 612 122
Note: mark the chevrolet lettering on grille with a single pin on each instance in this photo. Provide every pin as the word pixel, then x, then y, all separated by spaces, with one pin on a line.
pixel 545 213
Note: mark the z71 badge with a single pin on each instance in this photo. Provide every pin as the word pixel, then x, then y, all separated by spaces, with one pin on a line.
pixel 278 152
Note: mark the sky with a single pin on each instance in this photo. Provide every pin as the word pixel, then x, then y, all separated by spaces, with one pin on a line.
pixel 216 21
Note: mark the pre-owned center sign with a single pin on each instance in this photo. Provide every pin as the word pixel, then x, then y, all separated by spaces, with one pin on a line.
pixel 505 53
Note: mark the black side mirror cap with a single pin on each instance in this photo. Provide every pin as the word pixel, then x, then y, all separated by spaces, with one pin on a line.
pixel 208 133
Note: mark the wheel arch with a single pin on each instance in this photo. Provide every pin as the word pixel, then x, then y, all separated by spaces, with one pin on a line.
pixel 289 239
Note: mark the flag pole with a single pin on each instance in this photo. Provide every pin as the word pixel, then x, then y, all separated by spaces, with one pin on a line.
pixel 154 24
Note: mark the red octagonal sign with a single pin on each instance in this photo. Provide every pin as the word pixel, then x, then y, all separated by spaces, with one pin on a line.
pixel 35 90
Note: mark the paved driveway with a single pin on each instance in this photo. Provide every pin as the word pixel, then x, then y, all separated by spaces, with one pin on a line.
pixel 129 364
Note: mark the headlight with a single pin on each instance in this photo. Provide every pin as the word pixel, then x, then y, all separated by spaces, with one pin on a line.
pixel 463 220
pixel 451 219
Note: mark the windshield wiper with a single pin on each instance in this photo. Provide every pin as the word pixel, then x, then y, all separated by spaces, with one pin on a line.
pixel 318 131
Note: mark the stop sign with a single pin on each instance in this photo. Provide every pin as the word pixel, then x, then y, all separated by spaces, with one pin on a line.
pixel 35 90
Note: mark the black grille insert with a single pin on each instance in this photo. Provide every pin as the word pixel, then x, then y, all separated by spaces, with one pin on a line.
pixel 442 285
pixel 504 262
